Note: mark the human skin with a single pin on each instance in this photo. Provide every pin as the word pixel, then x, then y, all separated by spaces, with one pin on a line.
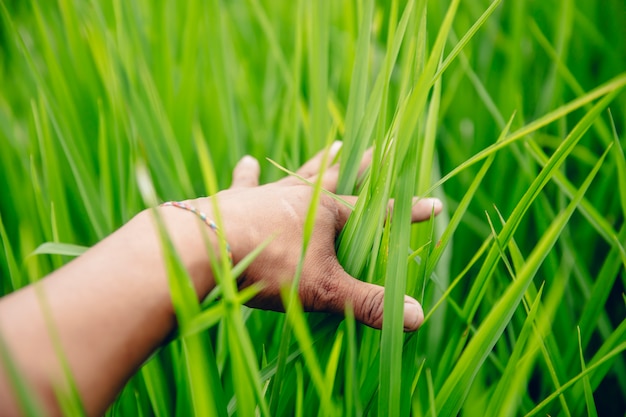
pixel 111 307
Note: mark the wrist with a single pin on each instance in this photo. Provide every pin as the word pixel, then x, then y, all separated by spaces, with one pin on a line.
pixel 189 237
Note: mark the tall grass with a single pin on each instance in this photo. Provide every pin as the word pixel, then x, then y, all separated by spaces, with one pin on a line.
pixel 512 112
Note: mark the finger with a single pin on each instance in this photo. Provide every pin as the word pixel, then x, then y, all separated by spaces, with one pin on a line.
pixel 331 175
pixel 343 211
pixel 422 209
pixel 246 173
pixel 313 166
pixel 367 301
pixel 366 160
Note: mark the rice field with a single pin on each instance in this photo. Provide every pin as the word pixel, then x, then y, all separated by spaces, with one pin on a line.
pixel 512 112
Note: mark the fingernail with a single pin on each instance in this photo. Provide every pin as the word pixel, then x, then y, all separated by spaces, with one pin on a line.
pixel 334 148
pixel 413 314
pixel 249 160
pixel 435 203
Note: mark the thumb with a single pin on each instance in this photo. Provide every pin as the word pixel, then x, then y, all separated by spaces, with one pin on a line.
pixel 368 300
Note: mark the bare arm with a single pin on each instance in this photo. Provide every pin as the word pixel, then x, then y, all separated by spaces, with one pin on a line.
pixel 112 308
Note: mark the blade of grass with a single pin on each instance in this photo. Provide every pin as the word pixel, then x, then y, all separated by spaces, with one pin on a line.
pixel 304 180
pixel 600 291
pixel 455 389
pixel 619 349
pixel 56 248
pixel 299 389
pixel 431 393
pixel 333 361
pixel 463 205
pixel 621 168
pixel 466 38
pixel 533 191
pixel 241 348
pixel 352 403
pixel 211 316
pixel 390 397
pixel 306 236
pixel 348 169
pixel 295 315
pixel 418 374
pixel 601 225
pixel 85 188
pixel 416 101
pixel 498 399
pixel 222 67
pixel 13 270
pixel 591 406
pixel 445 296
pixel 371 116
pixel 567 75
pixel 609 88
pixel 318 70
pixel 543 339
pixel 156 387
pixel 201 373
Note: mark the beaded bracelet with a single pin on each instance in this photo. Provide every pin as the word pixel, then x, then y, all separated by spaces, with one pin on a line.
pixel 204 218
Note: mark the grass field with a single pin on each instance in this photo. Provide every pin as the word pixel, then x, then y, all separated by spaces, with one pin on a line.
pixel 512 112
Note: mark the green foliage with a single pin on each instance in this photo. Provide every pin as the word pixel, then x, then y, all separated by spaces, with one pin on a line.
pixel 109 106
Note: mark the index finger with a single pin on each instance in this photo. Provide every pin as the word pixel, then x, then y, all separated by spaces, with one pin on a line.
pixel 331 176
pixel 423 209
pixel 312 166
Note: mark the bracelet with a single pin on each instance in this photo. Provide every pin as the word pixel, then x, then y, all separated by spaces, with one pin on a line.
pixel 204 218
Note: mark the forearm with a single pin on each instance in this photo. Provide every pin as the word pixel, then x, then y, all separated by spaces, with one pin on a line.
pixel 111 309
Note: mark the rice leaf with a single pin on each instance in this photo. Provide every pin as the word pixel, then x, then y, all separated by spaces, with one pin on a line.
pixel 619 349
pixel 609 88
pixel 591 406
pixel 57 248
pixel 456 387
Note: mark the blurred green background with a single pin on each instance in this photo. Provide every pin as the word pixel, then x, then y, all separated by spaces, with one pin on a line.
pixel 91 89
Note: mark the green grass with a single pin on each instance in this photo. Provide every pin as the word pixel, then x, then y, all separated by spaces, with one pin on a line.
pixel 512 112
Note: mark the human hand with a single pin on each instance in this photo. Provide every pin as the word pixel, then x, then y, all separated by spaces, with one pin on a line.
pixel 252 213
pixel 112 306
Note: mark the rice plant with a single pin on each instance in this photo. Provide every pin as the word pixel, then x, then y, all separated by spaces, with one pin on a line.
pixel 511 112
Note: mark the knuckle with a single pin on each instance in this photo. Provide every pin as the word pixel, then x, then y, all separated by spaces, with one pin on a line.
pixel 328 203
pixel 372 308
pixel 325 291
pixel 331 211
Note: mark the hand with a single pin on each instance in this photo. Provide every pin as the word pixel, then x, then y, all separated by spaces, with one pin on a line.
pixel 253 213
pixel 112 306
